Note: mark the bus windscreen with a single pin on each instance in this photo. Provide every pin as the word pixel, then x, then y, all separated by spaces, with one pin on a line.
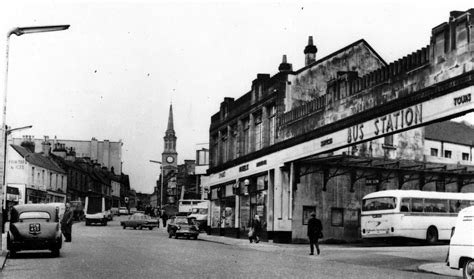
pixel 382 203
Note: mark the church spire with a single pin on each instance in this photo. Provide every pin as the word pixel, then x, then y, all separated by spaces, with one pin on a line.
pixel 170 119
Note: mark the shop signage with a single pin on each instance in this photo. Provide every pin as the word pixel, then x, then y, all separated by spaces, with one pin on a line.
pixel 388 123
pixel 371 181
pixel 261 163
pixel 222 174
pixel 326 142
pixel 244 168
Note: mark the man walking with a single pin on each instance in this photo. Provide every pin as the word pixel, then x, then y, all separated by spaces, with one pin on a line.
pixel 66 223
pixel 315 229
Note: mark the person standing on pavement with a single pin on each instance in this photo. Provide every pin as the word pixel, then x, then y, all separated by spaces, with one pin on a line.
pixel 66 223
pixel 315 229
pixel 256 226
pixel 164 218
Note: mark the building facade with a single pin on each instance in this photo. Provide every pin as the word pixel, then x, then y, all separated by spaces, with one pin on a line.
pixel 106 153
pixel 37 178
pixel 320 138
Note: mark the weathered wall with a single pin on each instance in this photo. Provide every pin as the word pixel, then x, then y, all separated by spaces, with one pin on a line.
pixel 311 82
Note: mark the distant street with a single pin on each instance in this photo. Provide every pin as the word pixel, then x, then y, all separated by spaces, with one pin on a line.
pixel 102 252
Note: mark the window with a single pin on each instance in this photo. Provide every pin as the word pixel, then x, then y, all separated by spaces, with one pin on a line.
pixel 447 153
pixel 246 141
pixel 405 205
pixel 434 152
pixel 258 132
pixel 388 140
pixel 381 203
pixel 337 217
pixel 417 205
pixel 224 146
pixel 32 175
pixel 272 124
pixel 465 156
pixel 50 180
pixel 307 210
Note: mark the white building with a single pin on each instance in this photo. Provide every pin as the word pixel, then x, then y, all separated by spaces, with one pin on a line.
pixel 36 176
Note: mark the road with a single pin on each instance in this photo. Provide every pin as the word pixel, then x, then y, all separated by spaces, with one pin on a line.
pixel 101 252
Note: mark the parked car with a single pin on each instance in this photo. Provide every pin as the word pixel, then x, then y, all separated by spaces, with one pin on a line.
pixel 123 211
pixel 133 210
pixel 109 215
pixel 114 211
pixel 182 226
pixel 34 227
pixel 461 246
pixel 140 221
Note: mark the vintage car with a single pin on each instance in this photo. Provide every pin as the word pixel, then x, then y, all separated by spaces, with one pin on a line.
pixel 34 227
pixel 140 221
pixel 122 211
pixel 182 226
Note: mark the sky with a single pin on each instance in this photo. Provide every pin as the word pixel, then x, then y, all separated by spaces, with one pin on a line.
pixel 114 73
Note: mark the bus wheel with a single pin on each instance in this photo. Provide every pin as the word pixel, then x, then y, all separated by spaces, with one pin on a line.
pixel 432 235
pixel 467 268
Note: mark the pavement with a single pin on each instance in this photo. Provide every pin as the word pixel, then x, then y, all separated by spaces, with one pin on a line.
pixel 439 268
pixel 435 268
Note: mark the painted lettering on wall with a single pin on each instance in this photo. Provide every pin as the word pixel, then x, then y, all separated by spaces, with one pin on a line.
pixel 462 99
pixel 388 123
pixel 244 168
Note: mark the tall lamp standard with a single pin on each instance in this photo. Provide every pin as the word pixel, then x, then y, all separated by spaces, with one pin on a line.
pixel 18 31
pixel 161 188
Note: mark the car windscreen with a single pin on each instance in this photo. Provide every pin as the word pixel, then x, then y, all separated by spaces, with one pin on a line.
pixel 34 215
pixel 181 220
pixel 381 203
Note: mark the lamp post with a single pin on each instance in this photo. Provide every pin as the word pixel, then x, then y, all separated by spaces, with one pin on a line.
pixel 161 188
pixel 18 31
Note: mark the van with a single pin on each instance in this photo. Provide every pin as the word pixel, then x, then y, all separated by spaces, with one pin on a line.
pixel 461 246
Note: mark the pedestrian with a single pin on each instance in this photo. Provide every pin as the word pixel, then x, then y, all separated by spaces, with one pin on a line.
pixel 164 218
pixel 256 229
pixel 66 223
pixel 315 232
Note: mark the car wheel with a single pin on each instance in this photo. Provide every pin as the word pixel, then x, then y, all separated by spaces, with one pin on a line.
pixel 124 227
pixel 55 252
pixel 466 268
pixel 150 228
pixel 432 235
pixel 140 227
pixel 135 228
pixel 195 237
pixel 87 222
pixel 176 236
pixel 170 235
pixel 12 253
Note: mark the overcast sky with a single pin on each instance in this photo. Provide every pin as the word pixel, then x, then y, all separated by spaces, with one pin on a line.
pixel 114 73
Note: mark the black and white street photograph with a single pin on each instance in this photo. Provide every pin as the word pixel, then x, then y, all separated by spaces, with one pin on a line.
pixel 236 139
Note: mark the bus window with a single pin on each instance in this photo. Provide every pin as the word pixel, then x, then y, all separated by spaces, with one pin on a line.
pixel 429 205
pixel 405 205
pixel 441 206
pixel 417 205
pixel 381 203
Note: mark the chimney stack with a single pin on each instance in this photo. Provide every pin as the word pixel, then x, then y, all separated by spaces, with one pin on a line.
pixel 310 52
pixel 285 66
pixel 46 146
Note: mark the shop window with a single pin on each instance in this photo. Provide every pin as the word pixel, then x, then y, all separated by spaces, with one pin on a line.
pixel 262 182
pixel 244 211
pixel 214 195
pixel 307 210
pixel 434 152
pixel 337 217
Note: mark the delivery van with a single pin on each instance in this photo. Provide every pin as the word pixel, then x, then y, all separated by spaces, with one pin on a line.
pixel 461 246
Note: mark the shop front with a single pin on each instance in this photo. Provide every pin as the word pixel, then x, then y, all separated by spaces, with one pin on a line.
pixel 234 205
pixel 223 210
pixel 36 196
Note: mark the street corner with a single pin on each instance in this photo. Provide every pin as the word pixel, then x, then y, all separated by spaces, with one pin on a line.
pixel 440 268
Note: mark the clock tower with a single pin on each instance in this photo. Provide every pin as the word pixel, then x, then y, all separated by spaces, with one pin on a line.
pixel 169 156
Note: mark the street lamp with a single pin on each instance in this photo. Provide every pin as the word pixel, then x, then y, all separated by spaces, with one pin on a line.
pixel 18 31
pixel 161 189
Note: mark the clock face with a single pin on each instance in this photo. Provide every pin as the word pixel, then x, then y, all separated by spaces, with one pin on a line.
pixel 170 159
